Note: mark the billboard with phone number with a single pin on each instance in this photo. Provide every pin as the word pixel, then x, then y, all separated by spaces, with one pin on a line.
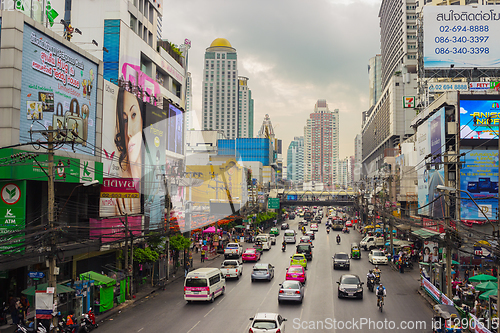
pixel 58 89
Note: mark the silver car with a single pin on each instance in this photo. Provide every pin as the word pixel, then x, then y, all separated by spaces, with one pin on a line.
pixel 262 272
pixel 291 291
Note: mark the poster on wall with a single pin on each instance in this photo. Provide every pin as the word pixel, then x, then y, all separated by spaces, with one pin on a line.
pixel 479 117
pixel 12 216
pixel 175 130
pixel 58 89
pixel 431 251
pixel 479 177
pixel 430 172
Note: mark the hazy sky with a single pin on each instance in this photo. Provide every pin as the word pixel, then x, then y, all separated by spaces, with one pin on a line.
pixel 294 52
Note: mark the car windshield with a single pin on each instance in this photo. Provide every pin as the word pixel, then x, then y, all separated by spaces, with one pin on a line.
pixel 302 247
pixel 378 254
pixel 260 269
pixel 196 282
pixel 232 245
pixel 350 280
pixel 290 285
pixel 290 234
pixel 230 263
pixel 298 257
pixel 341 256
pixel 264 324
pixel 249 251
pixel 295 270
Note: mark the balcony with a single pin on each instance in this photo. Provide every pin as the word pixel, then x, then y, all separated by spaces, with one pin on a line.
pixel 173 51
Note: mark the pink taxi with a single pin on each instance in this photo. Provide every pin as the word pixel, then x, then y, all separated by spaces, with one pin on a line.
pixel 296 272
pixel 250 254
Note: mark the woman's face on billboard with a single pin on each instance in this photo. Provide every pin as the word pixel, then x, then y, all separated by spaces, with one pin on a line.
pixel 132 120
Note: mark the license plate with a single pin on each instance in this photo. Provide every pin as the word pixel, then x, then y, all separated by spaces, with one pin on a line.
pixel 289 293
pixel 228 275
pixel 196 292
pixel 294 275
pixel 351 294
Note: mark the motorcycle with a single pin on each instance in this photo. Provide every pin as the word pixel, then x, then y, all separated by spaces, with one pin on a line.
pixel 377 278
pixel 327 230
pixel 338 240
pixel 283 247
pixel 370 283
pixel 89 321
pixel 27 329
pixel 345 231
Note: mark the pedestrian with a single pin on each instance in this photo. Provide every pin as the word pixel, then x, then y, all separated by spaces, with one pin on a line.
pixel 14 314
pixel 202 255
pixel 466 275
pixel 495 271
pixel 186 268
pixel 25 304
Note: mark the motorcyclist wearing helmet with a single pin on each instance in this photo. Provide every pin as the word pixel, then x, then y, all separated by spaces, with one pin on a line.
pixel 338 239
pixel 376 270
pixel 381 292
pixel 370 274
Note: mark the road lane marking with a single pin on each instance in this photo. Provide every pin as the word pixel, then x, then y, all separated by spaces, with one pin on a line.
pixel 140 329
pixel 193 326
pixel 300 318
pixel 208 313
pixel 266 295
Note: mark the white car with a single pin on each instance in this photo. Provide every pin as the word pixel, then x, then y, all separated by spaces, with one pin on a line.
pixel 273 239
pixel 314 227
pixel 377 257
pixel 266 322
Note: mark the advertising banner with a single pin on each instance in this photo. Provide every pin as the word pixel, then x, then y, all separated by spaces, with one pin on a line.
pixel 58 89
pixel 430 140
pixel 479 117
pixel 123 145
pixel 447 86
pixel 155 134
pixel 431 251
pixel 435 292
pixel 113 229
pixel 175 130
pixel 12 216
pixel 479 177
pixel 461 36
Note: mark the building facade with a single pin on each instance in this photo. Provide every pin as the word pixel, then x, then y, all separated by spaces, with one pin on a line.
pixel 295 160
pixel 344 173
pixel 220 89
pixel 245 109
pixel 190 113
pixel 321 145
pixel 374 79
pixel 358 158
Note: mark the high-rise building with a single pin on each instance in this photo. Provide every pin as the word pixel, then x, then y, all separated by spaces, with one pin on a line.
pixel 266 129
pixel 398 38
pixel 220 88
pixel 344 173
pixel 358 158
pixel 295 160
pixel 245 109
pixel 375 79
pixel 321 145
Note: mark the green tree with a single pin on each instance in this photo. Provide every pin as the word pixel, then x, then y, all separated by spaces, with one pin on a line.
pixel 179 243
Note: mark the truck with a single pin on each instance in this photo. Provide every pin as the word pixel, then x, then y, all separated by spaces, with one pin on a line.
pixel 232 268
pixel 371 242
pixel 233 250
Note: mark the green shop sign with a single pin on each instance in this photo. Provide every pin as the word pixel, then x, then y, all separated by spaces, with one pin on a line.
pixel 69 170
pixel 12 216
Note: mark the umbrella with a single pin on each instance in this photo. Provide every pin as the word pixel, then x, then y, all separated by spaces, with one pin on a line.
pixel 487 286
pixel 210 229
pixel 486 294
pixel 482 278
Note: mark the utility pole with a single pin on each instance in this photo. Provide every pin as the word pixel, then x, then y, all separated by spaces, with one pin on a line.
pixel 50 213
pixel 127 290
pixel 449 292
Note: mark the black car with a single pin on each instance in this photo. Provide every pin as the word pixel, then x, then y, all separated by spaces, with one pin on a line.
pixel 341 260
pixel 292 217
pixel 350 286
pixel 284 226
pixel 306 250
pixel 337 226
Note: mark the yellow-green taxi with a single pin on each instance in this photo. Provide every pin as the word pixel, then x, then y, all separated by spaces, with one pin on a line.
pixel 274 231
pixel 299 259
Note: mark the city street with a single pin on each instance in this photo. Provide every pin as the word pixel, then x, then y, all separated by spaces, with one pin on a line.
pixel 166 311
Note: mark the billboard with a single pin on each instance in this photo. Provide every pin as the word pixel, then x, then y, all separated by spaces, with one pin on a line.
pixel 12 216
pixel 479 177
pixel 461 36
pixel 154 157
pixel 485 109
pixel 430 140
pixel 175 130
pixel 58 89
pixel 112 230
pixel 122 149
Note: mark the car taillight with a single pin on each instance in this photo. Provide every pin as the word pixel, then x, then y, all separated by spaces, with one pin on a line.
pixel 236 271
pixel 185 288
pixel 281 291
pixel 250 330
pixel 297 292
pixel 278 331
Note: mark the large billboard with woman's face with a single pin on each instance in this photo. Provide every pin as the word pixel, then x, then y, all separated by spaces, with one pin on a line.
pixel 122 150
pixel 58 89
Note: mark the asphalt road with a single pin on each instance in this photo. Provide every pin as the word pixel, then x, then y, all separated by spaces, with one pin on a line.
pixel 321 311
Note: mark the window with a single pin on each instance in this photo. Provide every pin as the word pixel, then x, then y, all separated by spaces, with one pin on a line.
pixel 133 23
pixel 139 30
pixel 141 6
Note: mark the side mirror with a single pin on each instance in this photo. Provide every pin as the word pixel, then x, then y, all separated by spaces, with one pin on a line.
pixel 251 318
pixel 338 282
pixel 362 283
pixel 284 319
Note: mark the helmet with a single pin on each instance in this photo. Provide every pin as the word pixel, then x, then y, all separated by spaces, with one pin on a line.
pixel 380 285
pixel 371 270
pixel 376 266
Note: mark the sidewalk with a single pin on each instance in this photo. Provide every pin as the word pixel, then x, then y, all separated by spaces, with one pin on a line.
pixel 146 291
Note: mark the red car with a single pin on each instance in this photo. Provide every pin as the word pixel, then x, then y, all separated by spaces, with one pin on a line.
pixel 250 254
pixel 348 223
pixel 296 272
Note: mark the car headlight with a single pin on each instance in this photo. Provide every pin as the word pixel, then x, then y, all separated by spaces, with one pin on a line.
pixel 359 290
pixel 342 290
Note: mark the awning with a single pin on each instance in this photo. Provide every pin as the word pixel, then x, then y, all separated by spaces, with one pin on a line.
pixel 425 233
pixel 60 289
pixel 99 279
pixel 403 227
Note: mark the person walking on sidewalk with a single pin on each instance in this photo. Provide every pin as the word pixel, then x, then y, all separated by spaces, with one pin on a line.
pixel 186 268
pixel 202 255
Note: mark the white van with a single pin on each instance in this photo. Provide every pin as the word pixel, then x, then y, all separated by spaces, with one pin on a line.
pixel 289 236
pixel 204 284
pixel 265 239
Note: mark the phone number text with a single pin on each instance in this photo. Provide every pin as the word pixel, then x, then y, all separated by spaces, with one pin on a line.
pixel 461 39
pixel 464 28
pixel 462 50
pixel 119 195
